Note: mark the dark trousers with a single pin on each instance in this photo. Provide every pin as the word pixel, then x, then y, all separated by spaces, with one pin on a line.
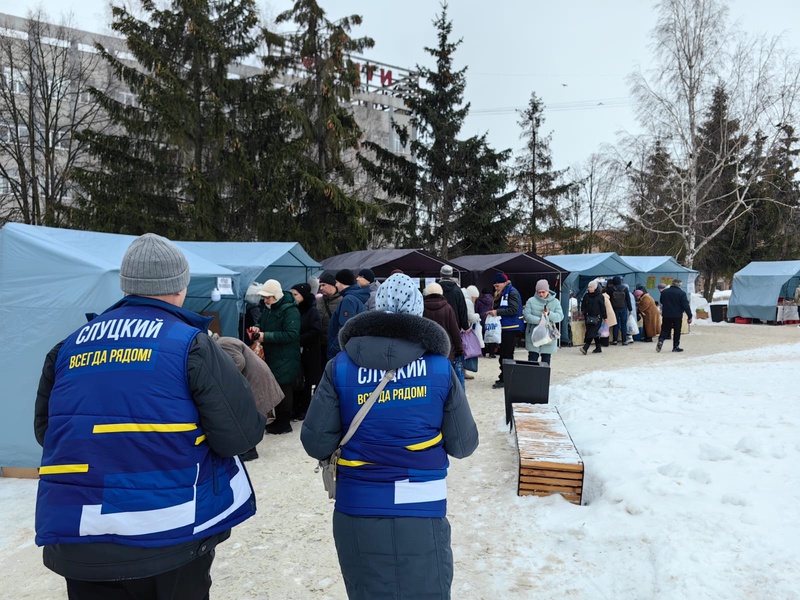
pixel 192 581
pixel 592 333
pixel 283 412
pixel 621 326
pixel 508 339
pixel 534 357
pixel 673 324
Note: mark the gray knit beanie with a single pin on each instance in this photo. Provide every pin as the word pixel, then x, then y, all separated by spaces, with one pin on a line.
pixel 153 266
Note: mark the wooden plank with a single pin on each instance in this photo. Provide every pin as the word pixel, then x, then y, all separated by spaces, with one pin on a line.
pixel 551 472
pixel 533 481
pixel 533 463
pixel 20 472
pixel 544 487
pixel 549 462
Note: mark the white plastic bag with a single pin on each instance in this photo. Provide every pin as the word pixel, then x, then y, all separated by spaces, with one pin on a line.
pixel 633 326
pixel 492 335
pixel 544 332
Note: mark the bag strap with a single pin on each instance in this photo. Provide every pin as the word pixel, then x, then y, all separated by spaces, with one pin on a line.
pixel 362 412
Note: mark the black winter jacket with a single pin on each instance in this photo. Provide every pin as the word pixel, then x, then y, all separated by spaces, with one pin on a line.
pixel 455 297
pixel 674 302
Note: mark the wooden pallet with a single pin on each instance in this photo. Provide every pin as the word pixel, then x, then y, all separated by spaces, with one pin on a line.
pixel 549 463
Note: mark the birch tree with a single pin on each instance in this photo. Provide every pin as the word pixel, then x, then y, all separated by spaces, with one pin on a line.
pixel 697 52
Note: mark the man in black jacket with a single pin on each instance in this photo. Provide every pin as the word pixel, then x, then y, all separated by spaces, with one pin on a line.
pixel 674 303
pixel 455 297
pixel 141 417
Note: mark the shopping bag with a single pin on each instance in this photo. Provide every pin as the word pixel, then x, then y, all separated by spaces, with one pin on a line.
pixel 543 333
pixel 633 326
pixel 492 335
pixel 603 330
pixel 470 343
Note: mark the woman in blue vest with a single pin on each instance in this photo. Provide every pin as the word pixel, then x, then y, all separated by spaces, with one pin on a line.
pixel 392 536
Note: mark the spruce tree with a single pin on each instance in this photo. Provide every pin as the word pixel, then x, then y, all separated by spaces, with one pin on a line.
pixel 316 60
pixel 181 161
pixel 539 186
pixel 438 196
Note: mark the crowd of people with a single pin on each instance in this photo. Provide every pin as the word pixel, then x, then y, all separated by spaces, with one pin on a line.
pixel 146 418
pixel 611 313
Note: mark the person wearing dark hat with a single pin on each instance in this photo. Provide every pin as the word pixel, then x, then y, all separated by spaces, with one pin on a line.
pixel 507 306
pixel 366 279
pixel 674 303
pixel 620 297
pixel 142 399
pixel 326 306
pixel 354 301
pixel 390 524
pixel 310 334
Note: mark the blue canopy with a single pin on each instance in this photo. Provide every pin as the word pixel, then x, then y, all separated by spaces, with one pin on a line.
pixel 652 270
pixel 756 288
pixel 286 262
pixel 585 267
pixel 49 279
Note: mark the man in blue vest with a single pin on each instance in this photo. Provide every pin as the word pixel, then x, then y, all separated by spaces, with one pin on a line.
pixel 507 306
pixel 141 417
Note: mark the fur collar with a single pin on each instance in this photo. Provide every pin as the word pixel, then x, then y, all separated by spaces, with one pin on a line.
pixel 411 328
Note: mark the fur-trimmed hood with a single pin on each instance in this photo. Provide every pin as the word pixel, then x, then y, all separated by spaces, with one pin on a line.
pixel 379 340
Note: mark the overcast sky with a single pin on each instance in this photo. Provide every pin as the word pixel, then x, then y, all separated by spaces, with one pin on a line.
pixel 575 55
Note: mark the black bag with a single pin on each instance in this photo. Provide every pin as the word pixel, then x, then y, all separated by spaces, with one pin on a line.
pixel 592 321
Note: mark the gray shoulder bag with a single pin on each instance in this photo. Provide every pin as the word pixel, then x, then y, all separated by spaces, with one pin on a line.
pixel 328 466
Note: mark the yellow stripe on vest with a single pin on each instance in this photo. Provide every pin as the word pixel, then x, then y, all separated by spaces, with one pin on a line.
pixel 200 440
pixel 144 427
pixel 352 463
pixel 62 469
pixel 428 444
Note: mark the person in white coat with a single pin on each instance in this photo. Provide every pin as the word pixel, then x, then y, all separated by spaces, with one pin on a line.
pixel 543 303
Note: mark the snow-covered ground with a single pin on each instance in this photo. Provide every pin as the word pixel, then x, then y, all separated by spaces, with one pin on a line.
pixel 692 489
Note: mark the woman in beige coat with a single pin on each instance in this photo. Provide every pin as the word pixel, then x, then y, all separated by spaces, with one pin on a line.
pixel 651 319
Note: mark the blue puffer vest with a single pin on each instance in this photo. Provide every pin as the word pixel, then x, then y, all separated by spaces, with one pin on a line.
pixel 395 464
pixel 124 457
pixel 511 323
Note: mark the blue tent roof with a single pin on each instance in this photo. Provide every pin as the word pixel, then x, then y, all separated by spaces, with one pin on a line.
pixel 286 262
pixel 756 288
pixel 49 279
pixel 652 270
pixel 585 267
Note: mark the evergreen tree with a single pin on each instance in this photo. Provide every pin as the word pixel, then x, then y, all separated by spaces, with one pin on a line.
pixel 317 61
pixel 538 184
pixel 182 161
pixel 436 197
pixel 717 184
pixel 649 229
pixel 485 219
pixel 771 231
